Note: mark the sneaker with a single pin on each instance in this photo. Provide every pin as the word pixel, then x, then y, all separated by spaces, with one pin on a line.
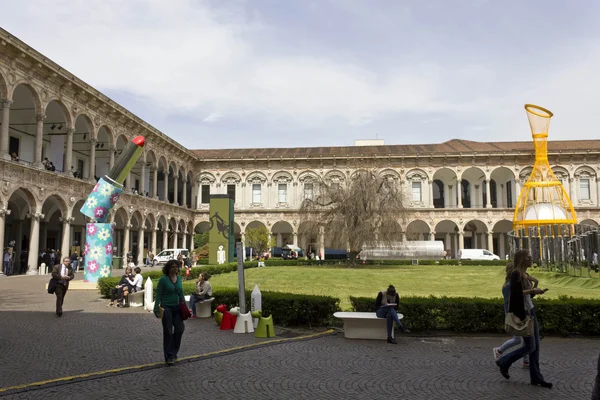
pixel 391 340
pixel 497 354
pixel 193 317
pixel 525 365
pixel 170 362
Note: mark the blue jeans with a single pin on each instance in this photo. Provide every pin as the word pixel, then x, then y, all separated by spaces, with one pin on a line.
pixel 391 315
pixel 74 265
pixel 516 340
pixel 7 268
pixel 193 299
pixel 531 346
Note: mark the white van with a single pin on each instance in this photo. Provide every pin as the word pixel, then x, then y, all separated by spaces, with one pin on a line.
pixel 477 254
pixel 170 254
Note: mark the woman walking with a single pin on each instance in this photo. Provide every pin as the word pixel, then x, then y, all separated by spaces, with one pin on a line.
pixel 169 295
pixel 520 304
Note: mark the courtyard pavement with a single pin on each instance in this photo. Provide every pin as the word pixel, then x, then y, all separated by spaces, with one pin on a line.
pixel 35 346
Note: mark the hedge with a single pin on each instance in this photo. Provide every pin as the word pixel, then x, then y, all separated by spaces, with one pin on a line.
pixel 566 315
pixel 302 262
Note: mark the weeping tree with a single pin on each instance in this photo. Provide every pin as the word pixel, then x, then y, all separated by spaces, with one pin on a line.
pixel 359 212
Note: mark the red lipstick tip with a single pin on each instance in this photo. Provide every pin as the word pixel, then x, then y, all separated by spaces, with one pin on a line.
pixel 139 140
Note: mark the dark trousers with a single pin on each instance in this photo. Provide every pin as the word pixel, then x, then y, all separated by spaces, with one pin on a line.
pixel 390 314
pixel 173 328
pixel 596 392
pixel 115 292
pixel 61 291
pixel 531 346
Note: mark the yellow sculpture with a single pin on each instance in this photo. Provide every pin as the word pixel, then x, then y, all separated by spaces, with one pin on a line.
pixel 543 200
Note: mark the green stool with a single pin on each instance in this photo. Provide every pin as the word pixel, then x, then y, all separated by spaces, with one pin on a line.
pixel 265 327
pixel 218 317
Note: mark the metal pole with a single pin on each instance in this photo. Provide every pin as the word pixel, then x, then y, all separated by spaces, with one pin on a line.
pixel 241 282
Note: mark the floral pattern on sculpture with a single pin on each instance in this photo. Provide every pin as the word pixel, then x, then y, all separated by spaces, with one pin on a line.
pixel 98 251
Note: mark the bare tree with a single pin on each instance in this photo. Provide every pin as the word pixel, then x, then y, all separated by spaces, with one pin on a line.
pixel 362 211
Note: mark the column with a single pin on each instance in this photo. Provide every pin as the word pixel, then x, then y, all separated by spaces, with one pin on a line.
pixel 322 242
pixel 129 183
pixel 279 241
pixel 69 154
pixel 65 248
pixel 184 241
pixel 184 193
pixel 39 140
pixel 432 236
pixel 126 240
pixel 82 243
pixel 571 180
pixel 111 157
pixel 459 191
pixel 243 239
pixel 43 236
pixel 446 196
pixel 140 257
pixel 175 234
pixel 34 244
pixel 597 192
pixel 501 248
pixel 270 237
pixel 166 186
pixel 165 239
pixel 430 194
pixel 404 236
pixel 18 246
pixel 517 192
pixel 143 180
pixel 488 200
pixel 295 241
pixel 4 130
pixel 175 189
pixel 490 241
pixel 154 182
pixel 461 241
pixel 448 245
pixel 3 213
pixel 153 241
pixel 93 142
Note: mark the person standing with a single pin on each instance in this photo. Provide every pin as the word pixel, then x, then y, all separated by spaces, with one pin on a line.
pixel 6 261
pixel 74 261
pixel 62 273
pixel 386 306
pixel 169 295
pixel 521 306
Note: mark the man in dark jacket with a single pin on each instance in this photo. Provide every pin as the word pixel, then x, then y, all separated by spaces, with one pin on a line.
pixel 386 306
pixel 62 273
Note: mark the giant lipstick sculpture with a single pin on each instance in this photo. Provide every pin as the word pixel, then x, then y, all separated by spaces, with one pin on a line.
pixel 99 234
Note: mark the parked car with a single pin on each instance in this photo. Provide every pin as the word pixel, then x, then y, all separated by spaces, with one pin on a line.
pixel 170 254
pixel 477 254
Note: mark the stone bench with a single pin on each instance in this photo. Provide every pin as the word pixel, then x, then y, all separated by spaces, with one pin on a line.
pixel 364 325
pixel 203 308
pixel 136 299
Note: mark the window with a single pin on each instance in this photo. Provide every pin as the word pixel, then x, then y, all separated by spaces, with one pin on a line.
pixel 256 193
pixel 584 189
pixel 416 191
pixel 205 194
pixel 308 191
pixel 231 191
pixel 282 192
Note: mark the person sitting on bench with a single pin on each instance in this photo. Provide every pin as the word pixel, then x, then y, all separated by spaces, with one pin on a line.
pixel 135 285
pixel 386 306
pixel 122 288
pixel 203 291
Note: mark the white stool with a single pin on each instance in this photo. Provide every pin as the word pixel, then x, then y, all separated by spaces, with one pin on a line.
pixel 136 299
pixel 244 324
pixel 203 308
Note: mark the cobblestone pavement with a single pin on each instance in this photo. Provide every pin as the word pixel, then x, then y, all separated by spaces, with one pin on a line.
pixel 36 345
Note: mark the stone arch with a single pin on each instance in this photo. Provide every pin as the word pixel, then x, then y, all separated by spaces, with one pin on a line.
pixel 503 188
pixel 585 171
pixel 283 232
pixel 390 173
pixel 589 221
pixel 473 187
pixel 68 116
pixel 417 174
pixel 150 158
pixel 475 234
pixel 417 230
pixel 255 224
pixel 308 176
pixel 205 178
pixel 35 96
pixel 106 134
pixel 17 226
pixel 121 217
pixel 525 172
pixel 3 86
pixel 26 195
pixel 256 177
pixel 202 227
pixel 444 187
pixel 230 177
pixel 446 230
pixel 500 230
pixel 334 176
pixel 161 220
pixel 61 205
pixel 282 177
pixel 137 220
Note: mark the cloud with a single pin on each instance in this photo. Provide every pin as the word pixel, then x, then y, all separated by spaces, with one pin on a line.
pixel 194 57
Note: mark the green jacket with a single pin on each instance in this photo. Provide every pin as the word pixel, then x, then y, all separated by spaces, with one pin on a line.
pixel 168 294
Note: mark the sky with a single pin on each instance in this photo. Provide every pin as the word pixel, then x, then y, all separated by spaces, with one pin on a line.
pixel 298 73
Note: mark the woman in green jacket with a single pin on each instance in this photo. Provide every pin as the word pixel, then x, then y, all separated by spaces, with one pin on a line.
pixel 169 294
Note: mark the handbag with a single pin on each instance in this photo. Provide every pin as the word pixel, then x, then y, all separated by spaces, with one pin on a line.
pixel 185 311
pixel 52 286
pixel 517 327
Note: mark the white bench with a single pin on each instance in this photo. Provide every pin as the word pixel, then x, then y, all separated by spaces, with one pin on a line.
pixel 136 299
pixel 364 325
pixel 261 264
pixel 203 308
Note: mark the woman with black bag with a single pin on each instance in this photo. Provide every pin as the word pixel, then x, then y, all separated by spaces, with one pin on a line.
pixel 521 306
pixel 168 307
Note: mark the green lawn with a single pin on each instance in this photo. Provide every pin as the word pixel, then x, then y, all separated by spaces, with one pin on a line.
pixel 456 281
